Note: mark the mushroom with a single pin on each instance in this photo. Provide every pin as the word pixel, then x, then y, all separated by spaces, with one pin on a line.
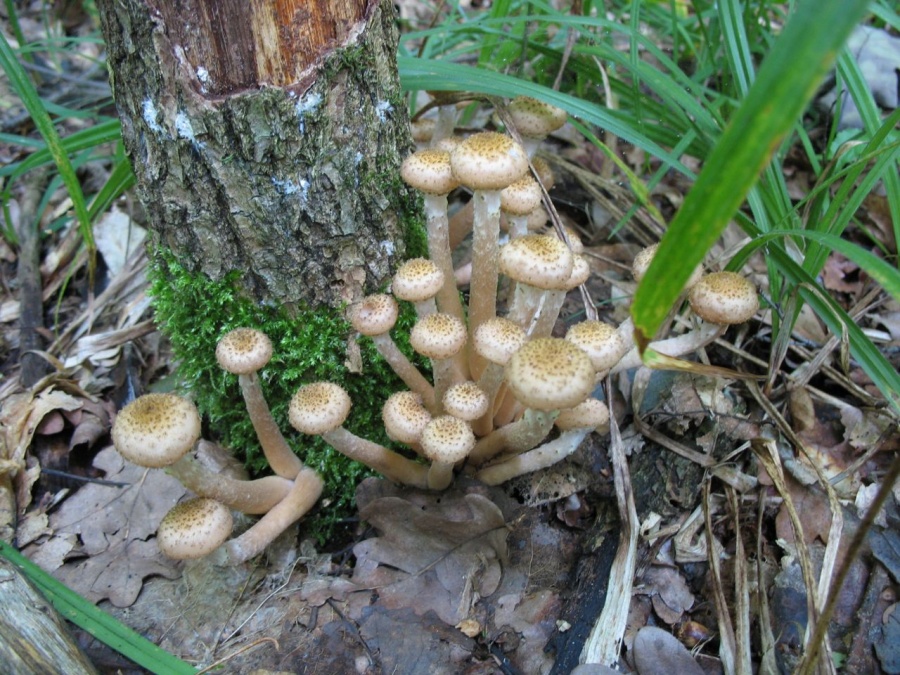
pixel 466 401
pixel 538 263
pixel 159 430
pixel 642 260
pixel 553 300
pixel 535 120
pixel 429 171
pixel 440 337
pixel 321 408
pixel 374 316
pixel 446 441
pixel 486 163
pixel 575 424
pixel 418 281
pixel 496 340
pixel 194 528
pixel 600 341
pixel 405 418
pixel 517 201
pixel 724 298
pixel 243 352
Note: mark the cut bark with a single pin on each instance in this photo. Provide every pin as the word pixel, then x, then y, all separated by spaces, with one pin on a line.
pixel 266 139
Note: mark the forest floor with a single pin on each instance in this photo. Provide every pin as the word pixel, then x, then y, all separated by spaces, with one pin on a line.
pixel 479 579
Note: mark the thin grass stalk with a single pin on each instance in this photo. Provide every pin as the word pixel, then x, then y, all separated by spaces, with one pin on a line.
pixel 714 552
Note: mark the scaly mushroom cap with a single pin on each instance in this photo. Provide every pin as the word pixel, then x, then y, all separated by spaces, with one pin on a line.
pixel 374 315
pixel 156 430
pixel 465 400
pixel 498 339
pixel 243 351
pixel 534 118
pixel 318 408
pixel 447 440
pixel 417 280
pixel 488 161
pixel 600 341
pixel 550 374
pixel 522 197
pixel 589 414
pixel 544 172
pixel 194 528
pixel 643 259
pixel 581 270
pixel 438 336
pixel 429 171
pixel 724 298
pixel 538 260
pixel 404 417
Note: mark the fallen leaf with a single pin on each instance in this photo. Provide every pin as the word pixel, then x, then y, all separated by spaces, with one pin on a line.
pixel 657 652
pixel 887 648
pixel 669 592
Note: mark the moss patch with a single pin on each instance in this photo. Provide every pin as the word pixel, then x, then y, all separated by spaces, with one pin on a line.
pixel 308 346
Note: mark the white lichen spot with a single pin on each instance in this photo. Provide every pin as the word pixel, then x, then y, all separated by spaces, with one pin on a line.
pixel 203 77
pixel 382 108
pixel 185 129
pixel 387 246
pixel 305 105
pixel 287 187
pixel 358 158
pixel 151 116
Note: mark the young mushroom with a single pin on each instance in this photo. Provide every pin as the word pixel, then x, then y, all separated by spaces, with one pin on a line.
pixel 405 418
pixel 320 409
pixel 724 298
pixel 440 337
pixel 243 352
pixel 194 528
pixel 535 120
pixel 418 281
pixel 600 341
pixel 538 263
pixel 446 441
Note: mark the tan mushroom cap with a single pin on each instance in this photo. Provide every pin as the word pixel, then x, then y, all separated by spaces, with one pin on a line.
pixel 488 161
pixel 544 172
pixel 600 341
pixel 581 271
pixel 156 430
pixel 642 261
pixel 194 528
pixel 550 374
pixel 447 440
pixel 724 298
pixel 243 351
pixel 534 118
pixel 498 339
pixel 539 260
pixel 465 400
pixel 404 417
pixel 318 408
pixel 429 171
pixel 374 315
pixel 417 280
pixel 521 197
pixel 589 414
pixel 438 336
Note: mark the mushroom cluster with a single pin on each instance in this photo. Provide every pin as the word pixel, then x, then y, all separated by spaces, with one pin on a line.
pixel 498 384
pixel 163 431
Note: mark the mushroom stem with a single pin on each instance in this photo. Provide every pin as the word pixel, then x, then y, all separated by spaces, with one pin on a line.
pixel 437 227
pixel 404 369
pixel 278 453
pixel 485 252
pixel 304 492
pixel 490 382
pixel 247 496
pixel 440 475
pixel 389 464
pixel 460 224
pixel 674 346
pixel 541 457
pixel 517 437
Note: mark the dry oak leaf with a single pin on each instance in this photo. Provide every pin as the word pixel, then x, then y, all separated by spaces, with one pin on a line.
pixel 440 554
pixel 115 526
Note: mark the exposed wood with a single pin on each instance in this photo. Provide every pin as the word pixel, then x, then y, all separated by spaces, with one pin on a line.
pixel 33 639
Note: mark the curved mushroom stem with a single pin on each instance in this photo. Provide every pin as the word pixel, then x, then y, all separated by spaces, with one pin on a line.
pixel 674 346
pixel 440 475
pixel 405 370
pixel 278 453
pixel 541 457
pixel 518 436
pixel 388 463
pixel 247 496
pixel 304 493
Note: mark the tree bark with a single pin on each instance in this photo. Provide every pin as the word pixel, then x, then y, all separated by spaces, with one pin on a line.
pixel 266 138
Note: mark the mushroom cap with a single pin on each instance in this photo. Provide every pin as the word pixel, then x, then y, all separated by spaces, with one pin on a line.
pixel 488 161
pixel 438 336
pixel 521 197
pixel 243 351
pixel 156 430
pixel 497 339
pixel 534 118
pixel 550 374
pixel 318 408
pixel 429 171
pixel 591 413
pixel 404 417
pixel 642 261
pixel 544 172
pixel 417 280
pixel 194 528
pixel 465 400
pixel 374 314
pixel 538 260
pixel 581 271
pixel 600 341
pixel 724 298
pixel 422 129
pixel 447 440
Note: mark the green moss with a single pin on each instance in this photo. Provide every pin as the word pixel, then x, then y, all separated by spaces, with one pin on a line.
pixel 311 345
